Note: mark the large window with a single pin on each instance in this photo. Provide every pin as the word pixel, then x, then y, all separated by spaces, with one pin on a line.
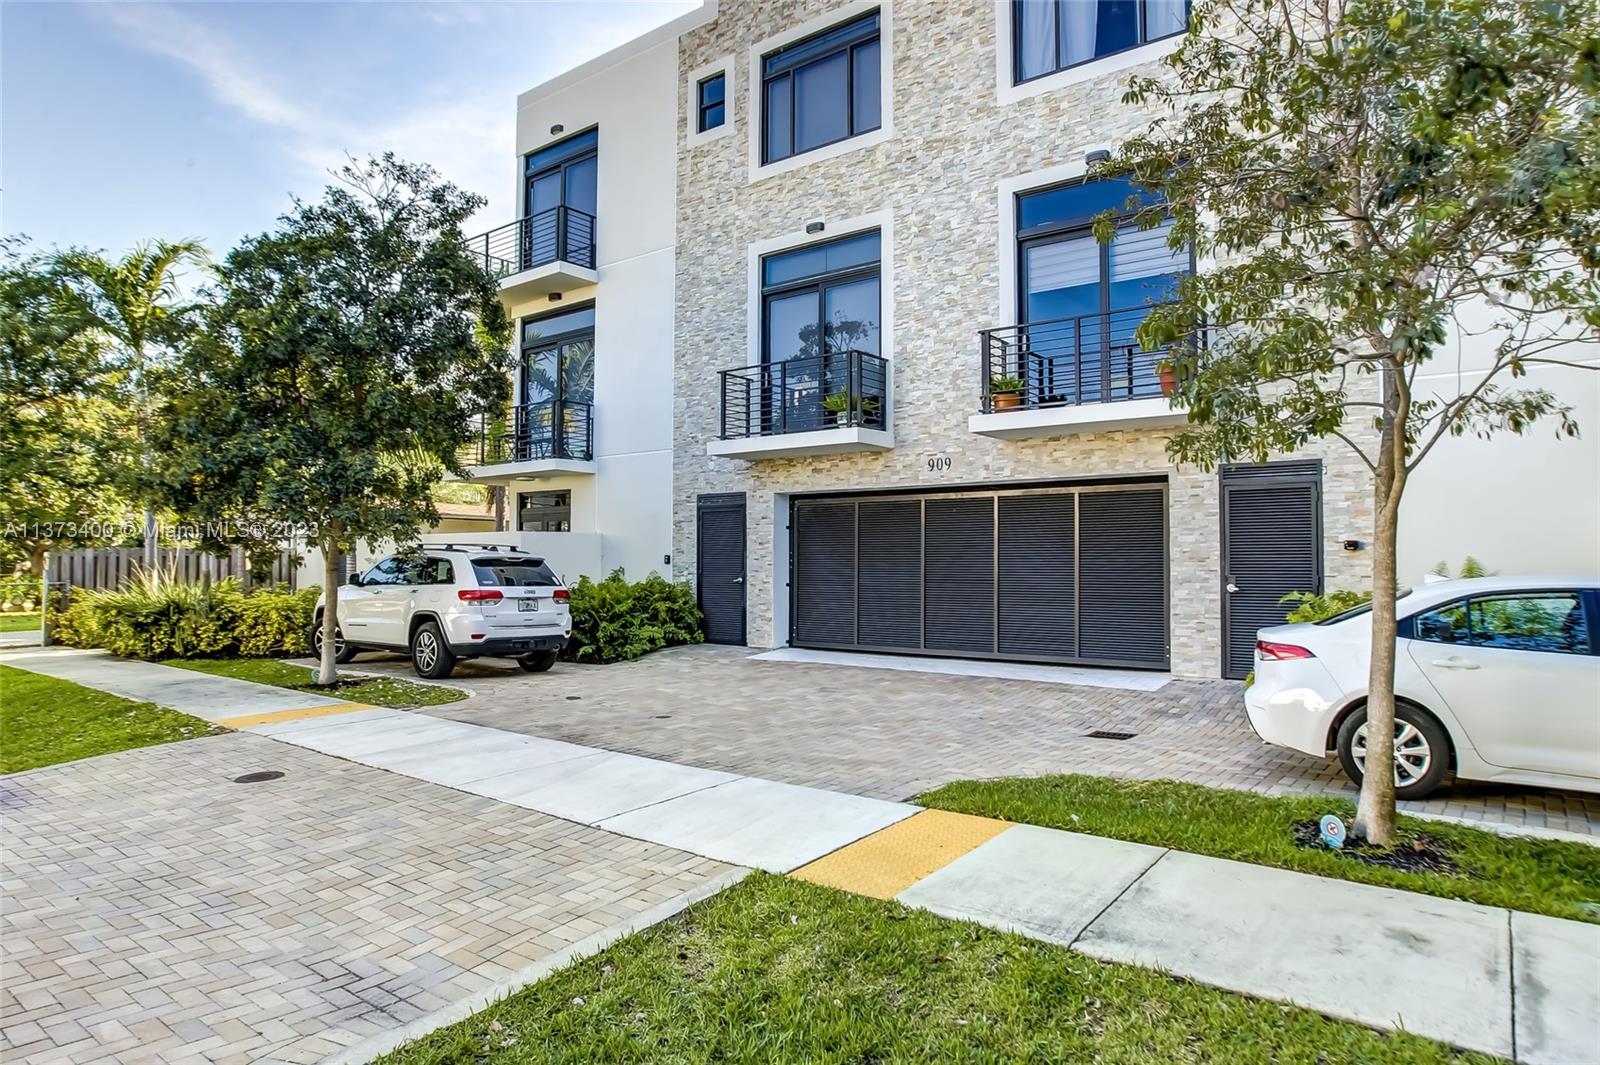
pixel 560 201
pixel 820 90
pixel 1082 301
pixel 556 390
pixel 544 511
pixel 710 102
pixel 1553 622
pixel 821 299
pixel 1052 35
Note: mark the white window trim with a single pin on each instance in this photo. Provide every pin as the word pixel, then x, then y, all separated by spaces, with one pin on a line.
pixel 1008 92
pixel 691 100
pixel 835 16
pixel 883 222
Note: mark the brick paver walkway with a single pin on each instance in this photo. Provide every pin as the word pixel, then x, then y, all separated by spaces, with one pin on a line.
pixel 890 734
pixel 157 911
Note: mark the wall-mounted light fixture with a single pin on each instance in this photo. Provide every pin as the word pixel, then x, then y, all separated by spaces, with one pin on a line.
pixel 555 297
pixel 1099 155
pixel 814 227
pixel 557 128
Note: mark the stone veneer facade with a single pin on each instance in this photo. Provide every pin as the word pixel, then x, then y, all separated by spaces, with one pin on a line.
pixel 938 174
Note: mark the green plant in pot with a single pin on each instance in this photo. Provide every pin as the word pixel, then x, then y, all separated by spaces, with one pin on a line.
pixel 843 404
pixel 1006 392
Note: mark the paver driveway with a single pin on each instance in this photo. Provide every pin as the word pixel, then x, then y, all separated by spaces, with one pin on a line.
pixel 157 911
pixel 890 734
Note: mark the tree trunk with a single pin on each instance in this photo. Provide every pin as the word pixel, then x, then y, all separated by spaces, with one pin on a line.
pixel 1375 815
pixel 332 578
pixel 497 495
pixel 151 544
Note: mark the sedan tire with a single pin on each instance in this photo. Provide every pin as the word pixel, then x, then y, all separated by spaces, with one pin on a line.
pixel 1421 750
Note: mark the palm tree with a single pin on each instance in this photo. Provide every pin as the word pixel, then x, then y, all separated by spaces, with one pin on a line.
pixel 137 306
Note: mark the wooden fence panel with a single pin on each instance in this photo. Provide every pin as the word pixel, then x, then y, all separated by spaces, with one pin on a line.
pixel 114 567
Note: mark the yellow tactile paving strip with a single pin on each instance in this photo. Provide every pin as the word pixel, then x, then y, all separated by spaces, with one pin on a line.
pixel 892 859
pixel 292 715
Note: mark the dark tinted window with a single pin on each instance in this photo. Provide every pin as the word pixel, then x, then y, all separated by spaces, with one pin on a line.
pixel 1052 35
pixel 389 571
pixel 544 511
pixel 711 93
pixel 513 573
pixel 429 571
pixel 1544 621
pixel 821 90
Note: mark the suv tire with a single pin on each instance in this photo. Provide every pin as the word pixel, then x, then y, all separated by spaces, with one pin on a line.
pixel 431 656
pixel 1418 737
pixel 342 651
pixel 538 662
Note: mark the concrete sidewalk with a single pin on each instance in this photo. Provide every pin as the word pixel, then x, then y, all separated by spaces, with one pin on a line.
pixel 1483 978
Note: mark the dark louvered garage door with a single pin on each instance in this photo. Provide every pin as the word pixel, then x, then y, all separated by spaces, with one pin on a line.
pixel 1056 575
pixel 1272 532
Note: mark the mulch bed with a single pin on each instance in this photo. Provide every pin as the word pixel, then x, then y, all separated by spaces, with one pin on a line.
pixel 1421 853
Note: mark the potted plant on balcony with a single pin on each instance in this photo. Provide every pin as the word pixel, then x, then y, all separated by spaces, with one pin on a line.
pixel 1169 377
pixel 842 405
pixel 1006 392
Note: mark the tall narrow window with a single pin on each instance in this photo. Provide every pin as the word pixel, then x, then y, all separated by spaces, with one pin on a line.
pixel 560 200
pixel 556 393
pixel 1052 35
pixel 712 105
pixel 821 90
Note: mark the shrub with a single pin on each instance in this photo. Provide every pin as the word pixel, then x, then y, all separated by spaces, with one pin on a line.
pixel 1312 607
pixel 159 617
pixel 614 620
pixel 276 622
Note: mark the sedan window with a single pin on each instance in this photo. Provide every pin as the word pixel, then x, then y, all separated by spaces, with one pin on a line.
pixel 1553 622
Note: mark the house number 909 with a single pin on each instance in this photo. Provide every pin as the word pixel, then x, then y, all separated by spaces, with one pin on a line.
pixel 938 463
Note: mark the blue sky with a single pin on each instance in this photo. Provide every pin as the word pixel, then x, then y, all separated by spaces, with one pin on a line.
pixel 121 122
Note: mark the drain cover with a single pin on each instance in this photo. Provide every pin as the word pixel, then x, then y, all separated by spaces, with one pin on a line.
pixel 1103 734
pixel 573 698
pixel 256 778
pixel 662 717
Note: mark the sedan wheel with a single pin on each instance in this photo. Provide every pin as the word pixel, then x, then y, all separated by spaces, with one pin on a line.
pixel 1421 751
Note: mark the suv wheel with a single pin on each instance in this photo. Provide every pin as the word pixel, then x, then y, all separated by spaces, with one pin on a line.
pixel 1421 750
pixel 342 652
pixel 431 657
pixel 538 662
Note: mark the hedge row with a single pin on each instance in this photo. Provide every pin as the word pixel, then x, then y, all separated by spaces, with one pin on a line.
pixel 152 619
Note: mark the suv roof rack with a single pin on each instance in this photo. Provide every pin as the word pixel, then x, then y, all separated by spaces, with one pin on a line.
pixel 474 547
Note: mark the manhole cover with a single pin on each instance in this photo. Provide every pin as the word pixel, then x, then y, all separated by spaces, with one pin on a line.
pixel 1103 734
pixel 257 778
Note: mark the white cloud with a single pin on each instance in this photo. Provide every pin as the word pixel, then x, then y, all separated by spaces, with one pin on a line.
pixel 463 124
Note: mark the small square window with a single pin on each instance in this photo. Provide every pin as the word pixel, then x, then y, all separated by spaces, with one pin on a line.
pixel 710 100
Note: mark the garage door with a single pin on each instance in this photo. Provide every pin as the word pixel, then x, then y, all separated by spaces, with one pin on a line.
pixel 1073 575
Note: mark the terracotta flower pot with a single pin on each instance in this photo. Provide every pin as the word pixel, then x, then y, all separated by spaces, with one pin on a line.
pixel 1007 400
pixel 1169 380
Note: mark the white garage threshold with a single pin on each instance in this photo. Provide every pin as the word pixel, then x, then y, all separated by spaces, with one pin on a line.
pixel 1133 680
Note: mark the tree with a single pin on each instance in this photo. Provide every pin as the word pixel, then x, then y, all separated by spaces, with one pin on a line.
pixel 341 362
pixel 59 420
pixel 136 305
pixel 1371 181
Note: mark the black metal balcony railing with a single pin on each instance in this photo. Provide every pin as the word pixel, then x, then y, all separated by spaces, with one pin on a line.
pixel 561 234
pixel 1091 358
pixel 842 388
pixel 554 429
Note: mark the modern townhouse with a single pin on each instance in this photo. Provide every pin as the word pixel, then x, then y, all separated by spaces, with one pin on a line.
pixel 808 304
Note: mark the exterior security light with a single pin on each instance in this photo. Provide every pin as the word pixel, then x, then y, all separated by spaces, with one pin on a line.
pixel 814 227
pixel 557 128
pixel 1099 155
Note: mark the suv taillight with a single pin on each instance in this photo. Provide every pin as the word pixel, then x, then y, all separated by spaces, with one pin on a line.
pixel 479 595
pixel 561 595
pixel 1281 651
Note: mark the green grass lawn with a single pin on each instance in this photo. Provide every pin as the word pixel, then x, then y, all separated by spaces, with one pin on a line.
pixel 379 691
pixel 44 721
pixel 19 622
pixel 775 970
pixel 1539 876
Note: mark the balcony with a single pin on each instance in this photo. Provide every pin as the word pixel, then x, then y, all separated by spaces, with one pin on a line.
pixel 552 251
pixel 1082 374
pixel 812 405
pixel 532 440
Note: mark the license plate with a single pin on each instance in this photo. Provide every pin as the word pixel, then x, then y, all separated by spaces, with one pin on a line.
pixel 527 604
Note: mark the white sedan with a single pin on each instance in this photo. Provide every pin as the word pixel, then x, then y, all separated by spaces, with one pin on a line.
pixel 1496 678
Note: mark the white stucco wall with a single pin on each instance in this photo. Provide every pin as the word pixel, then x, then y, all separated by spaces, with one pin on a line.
pixel 1519 504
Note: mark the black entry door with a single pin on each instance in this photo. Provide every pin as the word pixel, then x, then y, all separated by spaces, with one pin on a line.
pixel 1272 545
pixel 720 566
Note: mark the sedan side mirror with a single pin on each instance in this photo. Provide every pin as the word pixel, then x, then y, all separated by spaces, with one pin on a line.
pixel 354 580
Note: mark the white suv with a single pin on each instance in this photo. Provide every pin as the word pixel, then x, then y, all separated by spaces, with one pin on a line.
pixel 443 604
